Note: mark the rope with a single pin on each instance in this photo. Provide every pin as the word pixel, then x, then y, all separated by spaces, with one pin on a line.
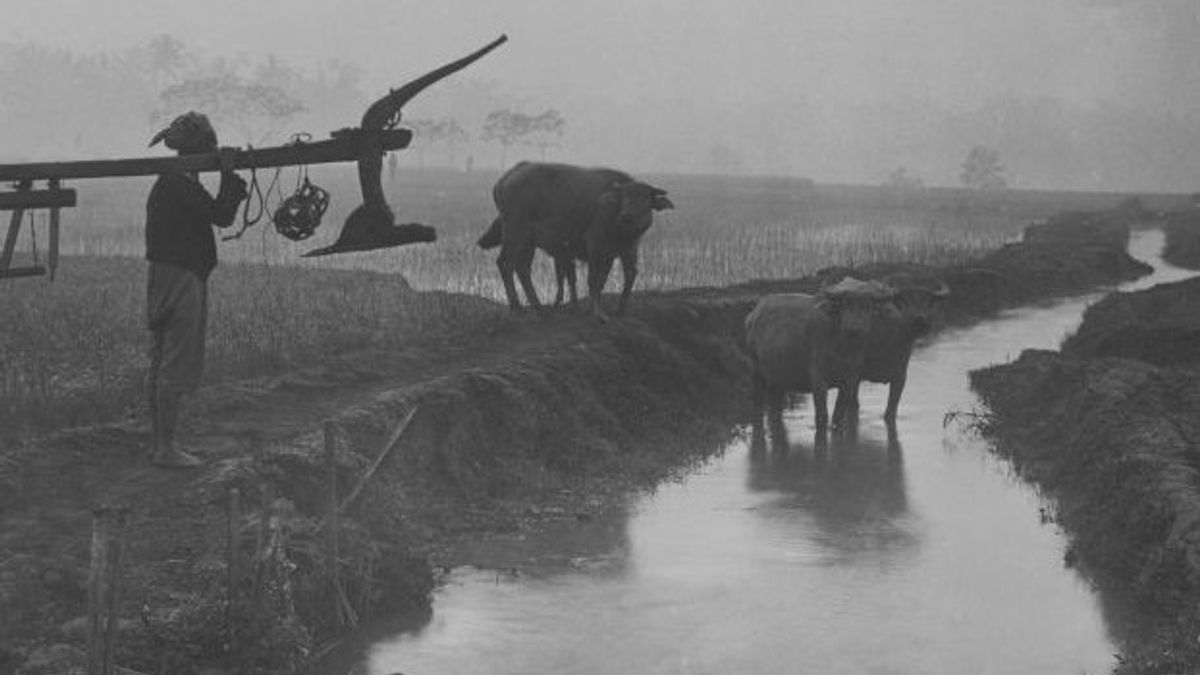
pixel 297 216
pixel 254 189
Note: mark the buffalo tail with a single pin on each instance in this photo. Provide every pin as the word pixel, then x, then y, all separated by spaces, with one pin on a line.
pixel 493 237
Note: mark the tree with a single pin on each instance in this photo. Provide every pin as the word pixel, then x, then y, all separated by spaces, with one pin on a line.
pixel 253 109
pixel 903 179
pixel 502 126
pixel 546 129
pixel 429 132
pixel 509 127
pixel 165 60
pixel 982 169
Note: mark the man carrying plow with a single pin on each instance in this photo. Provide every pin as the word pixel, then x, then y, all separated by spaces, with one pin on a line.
pixel 182 251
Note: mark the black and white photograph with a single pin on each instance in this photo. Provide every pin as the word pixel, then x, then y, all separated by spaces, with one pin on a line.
pixel 523 337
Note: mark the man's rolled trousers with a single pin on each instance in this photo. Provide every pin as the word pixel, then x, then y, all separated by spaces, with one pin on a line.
pixel 182 251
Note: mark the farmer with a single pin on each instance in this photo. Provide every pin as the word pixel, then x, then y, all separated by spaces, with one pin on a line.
pixel 182 251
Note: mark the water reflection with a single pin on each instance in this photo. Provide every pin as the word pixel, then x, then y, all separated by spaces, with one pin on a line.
pixel 569 542
pixel 850 490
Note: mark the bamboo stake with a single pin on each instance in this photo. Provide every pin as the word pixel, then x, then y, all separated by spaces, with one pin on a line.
pixel 387 448
pixel 331 521
pixel 233 565
pixel 108 526
pixel 260 558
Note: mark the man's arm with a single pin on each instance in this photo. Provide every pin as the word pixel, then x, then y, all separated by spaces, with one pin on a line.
pixel 229 195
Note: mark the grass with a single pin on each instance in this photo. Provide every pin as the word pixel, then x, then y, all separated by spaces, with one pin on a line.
pixel 72 351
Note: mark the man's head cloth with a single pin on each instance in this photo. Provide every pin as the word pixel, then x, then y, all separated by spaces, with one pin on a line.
pixel 190 133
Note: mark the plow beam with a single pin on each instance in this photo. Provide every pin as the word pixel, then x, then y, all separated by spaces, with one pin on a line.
pixel 346 146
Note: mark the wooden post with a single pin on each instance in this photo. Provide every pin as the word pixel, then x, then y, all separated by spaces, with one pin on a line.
pixel 10 239
pixel 233 564
pixel 52 256
pixel 108 525
pixel 379 458
pixel 260 558
pixel 331 521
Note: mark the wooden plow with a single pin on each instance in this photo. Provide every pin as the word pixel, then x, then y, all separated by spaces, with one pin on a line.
pixel 370 226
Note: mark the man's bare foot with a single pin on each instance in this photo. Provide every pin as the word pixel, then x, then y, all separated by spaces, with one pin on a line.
pixel 175 459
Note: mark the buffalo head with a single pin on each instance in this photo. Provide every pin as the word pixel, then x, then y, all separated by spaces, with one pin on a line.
pixel 917 299
pixel 635 203
pixel 853 304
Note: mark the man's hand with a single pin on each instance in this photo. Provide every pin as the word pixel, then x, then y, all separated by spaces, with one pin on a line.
pixel 227 155
pixel 233 186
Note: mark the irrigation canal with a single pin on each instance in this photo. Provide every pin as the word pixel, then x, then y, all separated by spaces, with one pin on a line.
pixel 919 553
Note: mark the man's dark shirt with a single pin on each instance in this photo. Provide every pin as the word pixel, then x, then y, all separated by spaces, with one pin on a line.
pixel 179 218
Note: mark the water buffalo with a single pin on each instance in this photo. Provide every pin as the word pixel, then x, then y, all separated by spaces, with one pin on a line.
pixel 889 343
pixel 571 213
pixel 811 343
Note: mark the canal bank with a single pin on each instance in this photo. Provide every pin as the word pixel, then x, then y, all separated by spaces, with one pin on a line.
pixel 1107 427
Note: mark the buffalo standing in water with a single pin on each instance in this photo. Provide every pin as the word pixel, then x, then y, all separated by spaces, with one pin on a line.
pixel 811 343
pixel 889 343
pixel 594 215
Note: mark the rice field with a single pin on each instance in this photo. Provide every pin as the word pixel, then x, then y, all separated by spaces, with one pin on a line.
pixel 71 351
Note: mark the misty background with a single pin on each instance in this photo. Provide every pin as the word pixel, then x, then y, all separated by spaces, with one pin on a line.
pixel 1071 94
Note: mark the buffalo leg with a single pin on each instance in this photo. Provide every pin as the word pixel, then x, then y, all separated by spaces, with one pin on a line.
pixel 779 440
pixel 504 262
pixel 758 400
pixel 524 266
pixel 845 407
pixel 629 268
pixel 839 406
pixel 560 274
pixel 572 285
pixel 758 394
pixel 758 440
pixel 564 271
pixel 820 392
pixel 893 402
pixel 849 421
pixel 598 274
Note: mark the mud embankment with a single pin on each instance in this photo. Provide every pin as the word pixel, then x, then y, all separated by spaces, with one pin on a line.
pixel 1182 229
pixel 1108 428
pixel 531 421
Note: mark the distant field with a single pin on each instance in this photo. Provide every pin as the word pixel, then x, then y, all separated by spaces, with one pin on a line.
pixel 71 352
pixel 723 229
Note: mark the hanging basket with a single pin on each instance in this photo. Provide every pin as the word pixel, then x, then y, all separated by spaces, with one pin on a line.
pixel 298 217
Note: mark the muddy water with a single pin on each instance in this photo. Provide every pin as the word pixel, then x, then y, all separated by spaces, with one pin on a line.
pixel 912 553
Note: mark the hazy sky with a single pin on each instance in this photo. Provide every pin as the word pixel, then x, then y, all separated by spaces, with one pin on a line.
pixel 699 49
pixel 666 79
